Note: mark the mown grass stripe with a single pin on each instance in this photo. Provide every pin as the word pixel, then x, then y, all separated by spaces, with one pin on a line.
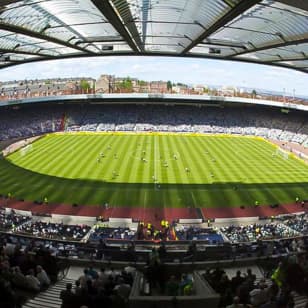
pixel 70 172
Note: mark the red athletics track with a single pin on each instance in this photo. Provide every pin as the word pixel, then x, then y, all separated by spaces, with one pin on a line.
pixel 151 214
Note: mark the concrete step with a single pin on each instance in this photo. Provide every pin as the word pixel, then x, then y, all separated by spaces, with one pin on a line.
pixel 44 303
pixel 49 298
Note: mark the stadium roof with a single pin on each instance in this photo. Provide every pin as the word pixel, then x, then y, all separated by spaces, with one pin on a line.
pixel 268 32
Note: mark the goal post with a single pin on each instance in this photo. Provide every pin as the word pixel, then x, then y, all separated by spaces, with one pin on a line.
pixel 26 149
pixel 282 153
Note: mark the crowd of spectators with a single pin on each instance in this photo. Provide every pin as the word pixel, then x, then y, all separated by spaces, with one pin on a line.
pixel 110 249
pixel 19 260
pixel 54 230
pixel 174 285
pixel 298 223
pixel 196 233
pixel 24 270
pixel 292 227
pixel 28 264
pixel 11 221
pixel 105 288
pixel 29 121
pixel 256 231
pixel 269 124
pixel 147 231
pixel 183 286
pixel 275 290
pixel 104 232
pixel 156 280
pixel 34 120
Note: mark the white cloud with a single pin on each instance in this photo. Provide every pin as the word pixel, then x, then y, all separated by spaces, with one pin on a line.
pixel 195 66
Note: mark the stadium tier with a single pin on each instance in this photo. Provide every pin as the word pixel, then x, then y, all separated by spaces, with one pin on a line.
pixel 129 193
pixel 25 121
pixel 165 185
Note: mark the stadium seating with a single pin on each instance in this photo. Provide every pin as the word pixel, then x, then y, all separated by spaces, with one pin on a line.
pixel 283 236
pixel 54 230
pixel 256 232
pixel 270 123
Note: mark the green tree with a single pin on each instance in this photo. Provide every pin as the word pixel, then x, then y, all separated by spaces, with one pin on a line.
pixel 142 83
pixel 253 93
pixel 84 85
pixel 126 85
pixel 169 85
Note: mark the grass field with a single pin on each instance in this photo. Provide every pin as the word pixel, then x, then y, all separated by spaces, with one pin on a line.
pixel 145 170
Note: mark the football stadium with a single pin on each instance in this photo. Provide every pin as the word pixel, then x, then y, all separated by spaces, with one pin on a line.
pixel 120 192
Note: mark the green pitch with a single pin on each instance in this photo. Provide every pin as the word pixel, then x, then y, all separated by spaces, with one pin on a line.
pixel 148 170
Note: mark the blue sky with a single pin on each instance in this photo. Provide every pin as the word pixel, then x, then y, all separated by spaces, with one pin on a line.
pixel 191 71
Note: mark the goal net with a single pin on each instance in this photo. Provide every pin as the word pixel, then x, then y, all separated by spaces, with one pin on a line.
pixel 282 153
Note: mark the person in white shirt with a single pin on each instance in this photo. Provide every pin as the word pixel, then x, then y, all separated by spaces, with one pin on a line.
pixel 123 289
pixel 42 276
pixel 258 295
pixel 33 282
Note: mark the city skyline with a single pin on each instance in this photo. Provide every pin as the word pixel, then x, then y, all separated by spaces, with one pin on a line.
pixel 183 70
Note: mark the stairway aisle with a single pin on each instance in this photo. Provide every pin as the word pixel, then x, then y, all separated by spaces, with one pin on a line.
pixel 300 301
pixel 49 298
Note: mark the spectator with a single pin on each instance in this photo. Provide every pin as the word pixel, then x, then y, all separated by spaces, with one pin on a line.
pixel 42 277
pixel 33 282
pixel 172 286
pixel 186 280
pixel 278 275
pixel 67 297
pixel 236 303
pixel 18 278
pixel 93 273
pixel 78 290
pixel 237 280
pixel 250 276
pixel 122 289
pixel 258 295
pixel 84 278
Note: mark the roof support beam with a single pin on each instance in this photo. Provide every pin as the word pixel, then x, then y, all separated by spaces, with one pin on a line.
pixel 21 52
pixel 231 15
pixel 287 60
pixel 131 53
pixel 107 10
pixel 6 2
pixel 122 6
pixel 301 4
pixel 268 47
pixel 59 21
pixel 223 44
pixel 41 36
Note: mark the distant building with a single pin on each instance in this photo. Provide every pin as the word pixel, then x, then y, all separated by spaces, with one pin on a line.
pixel 228 91
pixel 199 89
pixel 105 84
pixel 144 88
pixel 180 89
pixel 158 86
pixel 43 87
